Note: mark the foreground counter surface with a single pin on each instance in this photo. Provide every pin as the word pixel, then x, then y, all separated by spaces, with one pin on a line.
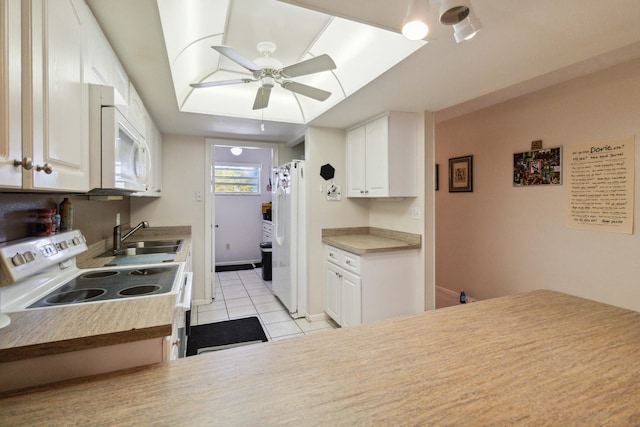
pixel 531 359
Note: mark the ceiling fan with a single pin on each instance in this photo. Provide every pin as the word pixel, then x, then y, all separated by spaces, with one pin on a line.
pixel 269 71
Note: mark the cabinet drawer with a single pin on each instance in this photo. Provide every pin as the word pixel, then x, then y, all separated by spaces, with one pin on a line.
pixel 342 259
pixel 351 262
pixel 333 255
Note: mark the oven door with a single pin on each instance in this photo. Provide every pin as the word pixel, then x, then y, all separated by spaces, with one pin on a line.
pixel 181 318
pixel 125 154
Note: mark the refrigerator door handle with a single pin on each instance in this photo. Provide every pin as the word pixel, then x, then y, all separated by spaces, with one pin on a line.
pixel 279 216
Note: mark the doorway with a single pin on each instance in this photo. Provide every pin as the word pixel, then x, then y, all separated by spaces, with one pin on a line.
pixel 241 177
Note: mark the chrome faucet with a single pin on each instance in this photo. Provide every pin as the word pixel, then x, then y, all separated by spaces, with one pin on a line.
pixel 118 238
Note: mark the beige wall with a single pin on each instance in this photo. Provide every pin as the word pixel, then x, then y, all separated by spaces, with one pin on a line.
pixel 326 146
pixel 396 214
pixel 502 240
pixel 184 166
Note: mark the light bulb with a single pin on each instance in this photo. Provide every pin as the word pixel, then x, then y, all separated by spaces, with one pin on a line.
pixel 415 30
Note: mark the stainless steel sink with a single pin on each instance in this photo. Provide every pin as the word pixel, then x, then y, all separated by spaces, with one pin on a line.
pixel 146 247
pixel 150 250
pixel 153 243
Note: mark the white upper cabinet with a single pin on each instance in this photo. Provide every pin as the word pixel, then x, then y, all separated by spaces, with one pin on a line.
pixel 154 172
pixel 381 157
pixel 50 51
pixel 10 96
pixel 101 65
pixel 137 114
pixel 55 97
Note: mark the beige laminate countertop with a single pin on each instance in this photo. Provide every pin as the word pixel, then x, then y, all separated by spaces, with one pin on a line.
pixel 53 330
pixel 540 358
pixel 368 240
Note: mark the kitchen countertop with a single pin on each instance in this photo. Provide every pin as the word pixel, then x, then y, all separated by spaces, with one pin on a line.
pixel 53 330
pixel 367 240
pixel 540 358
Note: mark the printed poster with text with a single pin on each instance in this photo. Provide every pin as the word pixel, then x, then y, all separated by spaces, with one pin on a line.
pixel 601 185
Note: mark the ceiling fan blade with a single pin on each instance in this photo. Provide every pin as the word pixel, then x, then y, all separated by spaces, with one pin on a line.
pixel 220 83
pixel 311 92
pixel 310 66
pixel 236 57
pixel 262 98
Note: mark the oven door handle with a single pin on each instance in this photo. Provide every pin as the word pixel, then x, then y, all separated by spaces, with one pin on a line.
pixel 185 300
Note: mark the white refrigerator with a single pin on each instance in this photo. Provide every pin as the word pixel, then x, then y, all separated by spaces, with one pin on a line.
pixel 289 266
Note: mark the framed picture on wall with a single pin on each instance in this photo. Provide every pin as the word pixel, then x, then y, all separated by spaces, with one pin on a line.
pixel 538 167
pixel 461 174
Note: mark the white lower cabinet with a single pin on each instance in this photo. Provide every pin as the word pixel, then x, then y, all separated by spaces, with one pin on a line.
pixel 360 289
pixel 342 295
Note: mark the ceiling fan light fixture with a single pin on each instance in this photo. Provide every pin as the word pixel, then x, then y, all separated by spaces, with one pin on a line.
pixel 414 26
pixel 268 82
pixel 466 29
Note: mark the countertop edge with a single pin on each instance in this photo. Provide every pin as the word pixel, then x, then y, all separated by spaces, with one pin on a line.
pixel 386 240
pixel 83 343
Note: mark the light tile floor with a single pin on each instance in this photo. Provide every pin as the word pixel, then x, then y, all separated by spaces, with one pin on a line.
pixel 243 293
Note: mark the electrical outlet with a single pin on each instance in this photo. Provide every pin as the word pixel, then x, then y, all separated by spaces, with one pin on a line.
pixel 198 196
pixel 415 213
pixel 228 246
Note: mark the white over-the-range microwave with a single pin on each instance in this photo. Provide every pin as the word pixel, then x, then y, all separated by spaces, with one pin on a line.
pixel 120 158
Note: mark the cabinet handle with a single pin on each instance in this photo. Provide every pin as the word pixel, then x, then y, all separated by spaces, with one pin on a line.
pixel 47 168
pixel 361 191
pixel 348 262
pixel 26 163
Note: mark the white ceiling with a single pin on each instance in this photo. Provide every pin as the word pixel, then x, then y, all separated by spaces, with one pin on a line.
pixel 361 53
pixel 525 45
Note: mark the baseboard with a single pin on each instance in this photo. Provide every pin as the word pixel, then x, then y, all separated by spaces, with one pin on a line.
pixel 316 317
pixel 239 262
pixel 447 298
pixel 200 302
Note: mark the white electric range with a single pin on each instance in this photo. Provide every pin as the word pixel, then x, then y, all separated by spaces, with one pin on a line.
pixel 40 273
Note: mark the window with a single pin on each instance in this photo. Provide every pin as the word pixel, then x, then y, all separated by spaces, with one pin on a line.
pixel 237 178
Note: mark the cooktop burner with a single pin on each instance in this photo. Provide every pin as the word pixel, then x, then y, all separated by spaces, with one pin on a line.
pixel 101 285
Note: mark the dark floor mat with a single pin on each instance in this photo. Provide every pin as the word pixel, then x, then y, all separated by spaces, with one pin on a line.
pixel 227 334
pixel 237 267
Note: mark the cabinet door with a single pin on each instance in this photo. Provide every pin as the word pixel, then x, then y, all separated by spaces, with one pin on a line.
pixel 332 291
pixel 10 94
pixel 155 187
pixel 58 115
pixel 356 180
pixel 351 299
pixel 377 157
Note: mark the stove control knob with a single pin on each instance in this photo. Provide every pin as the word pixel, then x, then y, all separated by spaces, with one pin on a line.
pixel 76 240
pixel 18 260
pixel 28 256
pixel 64 245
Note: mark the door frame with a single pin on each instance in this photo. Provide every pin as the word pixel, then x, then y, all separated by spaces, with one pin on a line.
pixel 210 211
